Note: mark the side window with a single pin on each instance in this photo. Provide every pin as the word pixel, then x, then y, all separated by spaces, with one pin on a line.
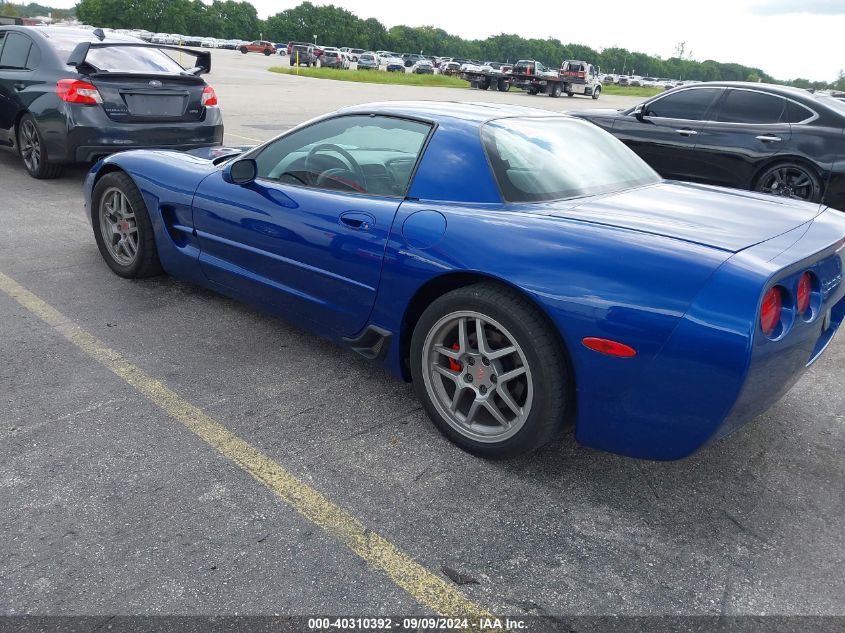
pixel 34 58
pixel 691 104
pixel 357 154
pixel 748 106
pixel 795 113
pixel 15 51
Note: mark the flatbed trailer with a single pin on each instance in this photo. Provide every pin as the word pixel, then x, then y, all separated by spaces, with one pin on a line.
pixel 532 84
pixel 487 80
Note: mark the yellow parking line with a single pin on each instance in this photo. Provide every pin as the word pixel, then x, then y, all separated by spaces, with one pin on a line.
pixel 424 586
pixel 245 138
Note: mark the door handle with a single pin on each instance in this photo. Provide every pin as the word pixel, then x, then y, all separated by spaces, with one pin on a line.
pixel 357 220
pixel 769 138
pixel 686 132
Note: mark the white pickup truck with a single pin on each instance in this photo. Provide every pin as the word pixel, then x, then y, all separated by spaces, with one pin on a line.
pixel 581 78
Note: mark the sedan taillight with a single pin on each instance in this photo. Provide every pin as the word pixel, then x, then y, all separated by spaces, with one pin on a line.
pixel 209 97
pixel 76 91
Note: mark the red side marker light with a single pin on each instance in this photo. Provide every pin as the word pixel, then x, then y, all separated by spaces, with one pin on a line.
pixel 611 348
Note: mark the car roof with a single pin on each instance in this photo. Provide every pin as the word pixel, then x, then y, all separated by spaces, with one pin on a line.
pixel 437 111
pixel 80 35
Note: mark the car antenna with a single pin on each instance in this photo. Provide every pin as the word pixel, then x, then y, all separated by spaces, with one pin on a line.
pixel 99 34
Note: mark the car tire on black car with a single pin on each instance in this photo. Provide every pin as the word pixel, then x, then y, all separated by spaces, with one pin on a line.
pixel 32 151
pixel 516 375
pixel 122 227
pixel 790 180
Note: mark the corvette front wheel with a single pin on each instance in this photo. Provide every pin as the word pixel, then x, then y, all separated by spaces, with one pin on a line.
pixel 489 371
pixel 122 227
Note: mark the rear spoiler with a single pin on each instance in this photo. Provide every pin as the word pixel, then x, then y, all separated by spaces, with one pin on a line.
pixel 80 53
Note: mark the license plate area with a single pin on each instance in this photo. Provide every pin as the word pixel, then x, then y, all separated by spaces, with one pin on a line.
pixel 155 105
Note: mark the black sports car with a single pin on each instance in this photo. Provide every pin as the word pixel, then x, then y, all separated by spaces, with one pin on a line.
pixel 762 137
pixel 69 95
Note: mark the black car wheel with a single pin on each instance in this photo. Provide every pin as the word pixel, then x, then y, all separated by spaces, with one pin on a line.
pixel 268 52
pixel 244 51
pixel 489 371
pixel 122 227
pixel 32 151
pixel 790 180
pixel 596 93
pixel 555 91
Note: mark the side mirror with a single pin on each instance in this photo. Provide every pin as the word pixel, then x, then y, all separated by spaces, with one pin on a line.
pixel 241 172
pixel 639 111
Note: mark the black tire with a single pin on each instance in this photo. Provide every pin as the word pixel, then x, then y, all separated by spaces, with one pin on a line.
pixel 504 85
pixel 570 94
pixel 146 262
pixel 32 151
pixel 555 91
pixel 268 52
pixel 244 51
pixel 532 90
pixel 543 354
pixel 596 93
pixel 793 175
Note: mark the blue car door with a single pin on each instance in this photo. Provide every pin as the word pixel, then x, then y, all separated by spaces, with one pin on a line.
pixel 307 237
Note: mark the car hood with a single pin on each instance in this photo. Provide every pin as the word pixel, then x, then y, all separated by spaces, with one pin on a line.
pixel 726 219
pixel 213 153
pixel 594 112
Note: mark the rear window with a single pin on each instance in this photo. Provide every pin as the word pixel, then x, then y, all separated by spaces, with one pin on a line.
pixel 541 159
pixel 127 59
pixel 835 103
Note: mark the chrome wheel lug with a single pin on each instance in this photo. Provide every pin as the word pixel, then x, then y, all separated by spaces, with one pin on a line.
pixel 482 389
pixel 468 377
pixel 470 361
pixel 485 360
pixel 494 379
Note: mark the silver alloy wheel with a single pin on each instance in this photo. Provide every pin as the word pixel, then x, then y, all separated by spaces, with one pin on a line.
pixel 30 146
pixel 477 376
pixel 788 181
pixel 118 226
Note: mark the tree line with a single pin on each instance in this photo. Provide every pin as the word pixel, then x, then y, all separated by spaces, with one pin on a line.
pixel 332 25
pixel 32 10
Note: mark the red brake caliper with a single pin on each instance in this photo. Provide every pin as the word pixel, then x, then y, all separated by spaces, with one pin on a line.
pixel 453 364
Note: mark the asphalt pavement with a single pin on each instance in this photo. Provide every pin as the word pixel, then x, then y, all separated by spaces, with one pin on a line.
pixel 116 501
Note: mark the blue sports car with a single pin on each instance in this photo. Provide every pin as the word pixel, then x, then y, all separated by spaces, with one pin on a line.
pixel 525 270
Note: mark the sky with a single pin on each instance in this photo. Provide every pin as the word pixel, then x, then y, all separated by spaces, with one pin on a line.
pixel 786 38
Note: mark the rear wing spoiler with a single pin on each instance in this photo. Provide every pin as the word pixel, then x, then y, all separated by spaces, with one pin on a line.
pixel 80 53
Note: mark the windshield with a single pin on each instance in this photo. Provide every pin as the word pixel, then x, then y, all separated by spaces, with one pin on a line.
pixel 541 159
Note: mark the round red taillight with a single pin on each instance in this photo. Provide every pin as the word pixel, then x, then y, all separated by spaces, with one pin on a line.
pixel 805 288
pixel 770 310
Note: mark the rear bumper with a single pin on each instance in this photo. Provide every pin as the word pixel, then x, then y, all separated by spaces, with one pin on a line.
pixel 89 134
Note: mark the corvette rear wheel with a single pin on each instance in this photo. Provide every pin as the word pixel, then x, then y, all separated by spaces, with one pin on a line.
pixel 489 371
pixel 122 228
